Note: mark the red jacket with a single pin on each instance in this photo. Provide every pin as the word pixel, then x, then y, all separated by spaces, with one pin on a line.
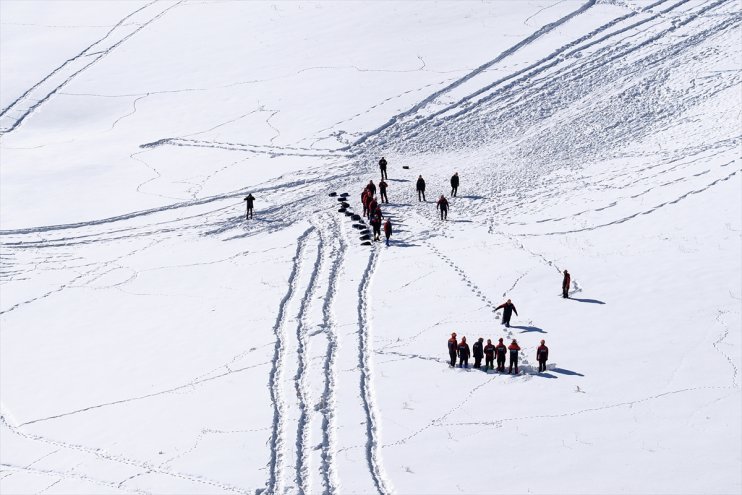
pixel 566 281
pixel 453 345
pixel 514 347
pixel 489 350
pixel 442 204
pixel 388 228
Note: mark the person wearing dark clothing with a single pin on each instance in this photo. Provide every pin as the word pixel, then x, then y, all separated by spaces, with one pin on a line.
pixel 454 184
pixel 453 347
pixel 364 201
pixel 376 224
pixel 489 356
pixel 372 205
pixel 249 201
pixel 513 348
pixel 420 189
pixel 501 351
pixel 382 191
pixel 387 230
pixel 565 284
pixel 443 206
pixel 464 353
pixel 371 187
pixel 542 355
pixel 507 311
pixel 382 166
pixel 477 352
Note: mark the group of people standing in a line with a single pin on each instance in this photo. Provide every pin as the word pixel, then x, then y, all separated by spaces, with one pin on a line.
pixel 490 352
pixel 372 208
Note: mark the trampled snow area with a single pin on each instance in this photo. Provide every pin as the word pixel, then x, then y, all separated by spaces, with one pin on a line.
pixel 154 341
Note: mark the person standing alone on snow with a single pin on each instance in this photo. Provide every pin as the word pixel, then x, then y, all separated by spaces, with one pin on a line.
pixel 443 206
pixel 453 347
pixel 382 191
pixel 249 199
pixel 507 311
pixel 565 284
pixel 387 230
pixel 501 350
pixel 420 188
pixel 464 353
pixel 489 355
pixel 478 353
pixel 514 348
pixel 382 166
pixel 542 354
pixel 455 184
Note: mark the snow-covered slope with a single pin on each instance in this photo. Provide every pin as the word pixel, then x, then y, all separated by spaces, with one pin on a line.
pixel 153 341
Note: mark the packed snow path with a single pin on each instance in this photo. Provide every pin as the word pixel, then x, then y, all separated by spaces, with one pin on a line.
pixel 177 347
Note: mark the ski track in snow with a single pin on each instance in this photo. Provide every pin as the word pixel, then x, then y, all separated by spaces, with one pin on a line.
pixel 373 454
pixel 276 445
pixel 327 400
pixel 630 52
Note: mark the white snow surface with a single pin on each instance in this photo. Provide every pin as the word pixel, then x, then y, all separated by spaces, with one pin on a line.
pixel 154 341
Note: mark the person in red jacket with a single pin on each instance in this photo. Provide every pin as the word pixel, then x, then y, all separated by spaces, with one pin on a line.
pixel 371 187
pixel 453 347
pixel 372 205
pixel 388 230
pixel 501 350
pixel 464 353
pixel 364 201
pixel 513 348
pixel 542 354
pixel 443 206
pixel 489 356
pixel 565 284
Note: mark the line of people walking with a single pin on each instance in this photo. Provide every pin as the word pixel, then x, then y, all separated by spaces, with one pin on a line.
pixel 372 209
pixel 491 352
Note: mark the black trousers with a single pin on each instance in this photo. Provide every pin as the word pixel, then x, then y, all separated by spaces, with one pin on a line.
pixel 565 292
pixel 506 319
pixel 249 213
pixel 377 232
pixel 477 362
pixel 421 194
pixel 500 364
pixel 541 366
pixel 454 190
pixel 383 197
pixel 383 174
pixel 488 362
pixel 513 362
pixel 452 354
pixel 464 362
pixel 444 213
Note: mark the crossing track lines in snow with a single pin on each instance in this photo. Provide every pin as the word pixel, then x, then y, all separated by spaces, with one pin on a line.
pixel 14 114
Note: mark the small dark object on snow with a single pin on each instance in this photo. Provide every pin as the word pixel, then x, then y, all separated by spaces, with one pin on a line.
pixel 366 243
pixel 364 231
pixel 406 167
pixel 365 237
pixel 358 226
pixel 333 194
pixel 344 194
pixel 344 204
pixel 357 218
pixel 348 213
pixel 341 199
pixel 342 210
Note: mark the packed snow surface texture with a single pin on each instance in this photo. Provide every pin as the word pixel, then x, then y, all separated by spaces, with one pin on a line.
pixel 154 341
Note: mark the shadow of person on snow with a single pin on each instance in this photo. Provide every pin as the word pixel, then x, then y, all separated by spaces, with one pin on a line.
pixel 470 197
pixel 592 301
pixel 527 329
pixel 565 372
